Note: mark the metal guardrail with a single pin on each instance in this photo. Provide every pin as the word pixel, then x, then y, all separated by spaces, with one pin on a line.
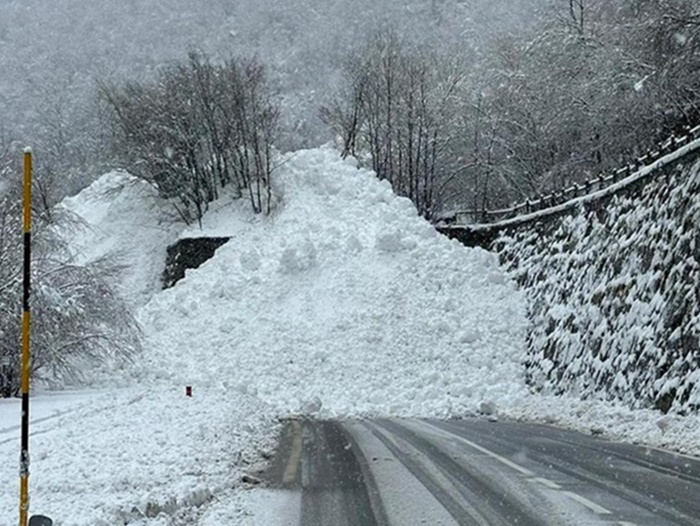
pixel 574 194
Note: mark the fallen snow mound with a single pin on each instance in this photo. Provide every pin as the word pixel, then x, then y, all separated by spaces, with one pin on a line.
pixel 344 303
pixel 123 218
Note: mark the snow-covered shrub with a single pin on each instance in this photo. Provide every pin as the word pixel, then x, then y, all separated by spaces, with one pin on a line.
pixel 615 296
pixel 77 320
pixel 196 129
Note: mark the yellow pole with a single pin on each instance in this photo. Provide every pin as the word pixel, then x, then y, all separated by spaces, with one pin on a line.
pixel 27 229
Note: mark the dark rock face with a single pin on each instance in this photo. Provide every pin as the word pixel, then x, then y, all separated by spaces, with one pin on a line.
pixel 470 237
pixel 189 253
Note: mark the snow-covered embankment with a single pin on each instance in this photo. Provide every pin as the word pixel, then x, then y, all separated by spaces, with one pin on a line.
pixel 614 298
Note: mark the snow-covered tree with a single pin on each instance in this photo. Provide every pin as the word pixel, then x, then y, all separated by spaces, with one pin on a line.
pixel 587 88
pixel 77 319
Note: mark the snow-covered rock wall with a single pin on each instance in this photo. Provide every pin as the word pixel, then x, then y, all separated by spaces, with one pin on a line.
pixel 614 296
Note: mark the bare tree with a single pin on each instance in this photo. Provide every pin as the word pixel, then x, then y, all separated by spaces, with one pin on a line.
pixel 398 107
pixel 577 14
pixel 200 127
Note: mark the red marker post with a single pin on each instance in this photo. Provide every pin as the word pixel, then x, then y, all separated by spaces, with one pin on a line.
pixel 188 391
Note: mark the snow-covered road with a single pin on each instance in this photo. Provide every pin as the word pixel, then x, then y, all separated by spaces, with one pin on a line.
pixel 413 472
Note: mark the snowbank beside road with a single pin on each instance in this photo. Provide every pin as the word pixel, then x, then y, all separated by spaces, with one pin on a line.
pixel 142 455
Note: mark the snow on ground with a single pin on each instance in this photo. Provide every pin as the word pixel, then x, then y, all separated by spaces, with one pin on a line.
pixel 142 455
pixel 343 303
pixel 44 407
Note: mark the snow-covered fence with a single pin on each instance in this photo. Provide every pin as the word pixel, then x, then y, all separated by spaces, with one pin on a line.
pixel 554 203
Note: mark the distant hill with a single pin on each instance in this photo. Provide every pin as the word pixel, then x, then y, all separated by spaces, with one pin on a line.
pixel 51 53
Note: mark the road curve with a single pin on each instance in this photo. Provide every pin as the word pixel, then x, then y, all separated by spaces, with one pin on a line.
pixel 475 472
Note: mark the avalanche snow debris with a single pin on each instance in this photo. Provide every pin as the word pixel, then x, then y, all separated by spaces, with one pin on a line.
pixel 124 219
pixel 347 271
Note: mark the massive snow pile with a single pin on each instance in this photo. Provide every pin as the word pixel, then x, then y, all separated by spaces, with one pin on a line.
pixel 344 303
pixel 614 298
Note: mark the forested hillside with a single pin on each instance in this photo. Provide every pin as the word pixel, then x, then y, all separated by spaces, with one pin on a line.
pixel 542 93
pixel 53 54
pixel 614 301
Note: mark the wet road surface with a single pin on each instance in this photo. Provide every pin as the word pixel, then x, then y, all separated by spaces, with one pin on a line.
pixel 476 472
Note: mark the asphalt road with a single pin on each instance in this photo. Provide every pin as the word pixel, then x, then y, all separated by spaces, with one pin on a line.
pixel 476 472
